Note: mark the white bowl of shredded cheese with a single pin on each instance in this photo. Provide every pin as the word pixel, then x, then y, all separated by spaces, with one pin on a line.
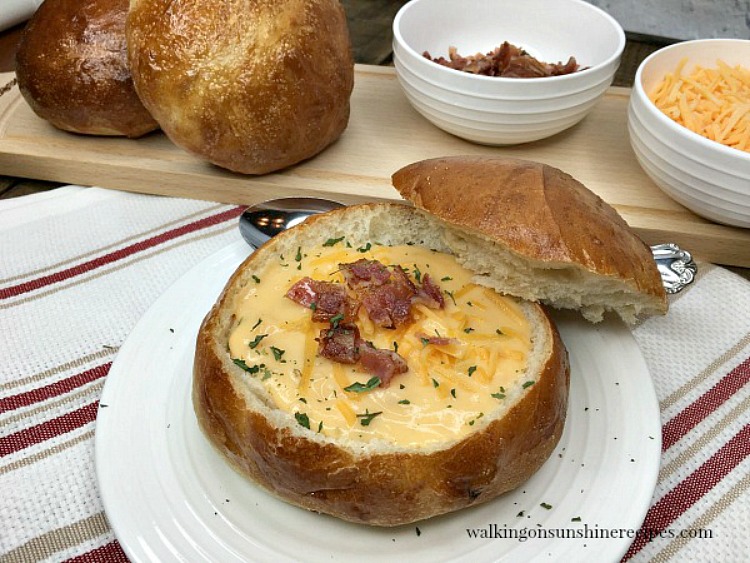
pixel 689 125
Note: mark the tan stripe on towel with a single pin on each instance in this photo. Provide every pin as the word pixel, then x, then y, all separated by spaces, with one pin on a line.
pixel 93 388
pixel 119 266
pixel 709 370
pixel 702 522
pixel 77 363
pixel 738 411
pixel 61 539
pixel 56 449
pixel 117 244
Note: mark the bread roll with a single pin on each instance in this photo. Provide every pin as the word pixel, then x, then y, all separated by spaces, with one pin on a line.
pixel 252 86
pixel 414 449
pixel 72 69
pixel 533 231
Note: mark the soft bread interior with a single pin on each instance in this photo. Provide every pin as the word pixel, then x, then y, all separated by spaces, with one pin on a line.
pixel 536 232
pixel 387 224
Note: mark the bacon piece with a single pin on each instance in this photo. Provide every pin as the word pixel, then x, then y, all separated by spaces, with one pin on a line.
pixel 507 60
pixel 340 343
pixel 365 273
pixel 383 363
pixel 430 293
pixel 389 305
pixel 327 299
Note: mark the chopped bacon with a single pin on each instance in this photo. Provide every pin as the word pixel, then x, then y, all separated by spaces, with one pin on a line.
pixel 430 293
pixel 507 60
pixel 389 305
pixel 303 292
pixel 327 299
pixel 383 363
pixel 340 344
pixel 365 273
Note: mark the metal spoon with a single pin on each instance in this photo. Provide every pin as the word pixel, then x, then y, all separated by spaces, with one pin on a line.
pixel 260 222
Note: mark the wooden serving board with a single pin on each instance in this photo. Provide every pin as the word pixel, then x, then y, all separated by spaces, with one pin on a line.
pixel 384 134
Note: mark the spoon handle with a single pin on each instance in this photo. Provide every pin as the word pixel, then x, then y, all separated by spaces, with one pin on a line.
pixel 676 266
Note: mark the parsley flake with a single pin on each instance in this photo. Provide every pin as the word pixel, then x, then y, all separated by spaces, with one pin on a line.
pixel 358 387
pixel 336 319
pixel 277 353
pixel 435 382
pixel 298 256
pixel 450 294
pixel 256 279
pixel 417 274
pixel 528 384
pixel 366 418
pixel 241 363
pixel 446 278
pixel 256 325
pixel 545 505
pixel 333 241
pixel 302 419
pixel 472 369
pixel 257 340
pixel 364 248
pixel 404 402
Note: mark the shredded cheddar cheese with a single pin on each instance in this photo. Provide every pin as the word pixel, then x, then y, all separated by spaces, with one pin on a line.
pixel 713 102
pixel 486 341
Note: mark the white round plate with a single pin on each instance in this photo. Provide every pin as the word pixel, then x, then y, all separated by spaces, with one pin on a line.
pixel 169 496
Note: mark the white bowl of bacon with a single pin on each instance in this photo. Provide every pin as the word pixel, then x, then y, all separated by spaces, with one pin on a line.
pixel 689 124
pixel 502 72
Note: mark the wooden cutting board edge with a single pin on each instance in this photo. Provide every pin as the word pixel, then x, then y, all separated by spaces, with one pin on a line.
pixel 707 240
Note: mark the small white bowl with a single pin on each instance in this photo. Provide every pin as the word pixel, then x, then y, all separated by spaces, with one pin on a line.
pixel 710 179
pixel 498 110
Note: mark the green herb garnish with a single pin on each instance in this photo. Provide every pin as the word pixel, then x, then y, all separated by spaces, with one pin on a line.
pixel 417 274
pixel 435 382
pixel 472 369
pixel 453 393
pixel 425 341
pixel 256 325
pixel 241 363
pixel 450 294
pixel 468 329
pixel 256 279
pixel 498 395
pixel 364 248
pixel 257 340
pixel 446 278
pixel 333 241
pixel 336 319
pixel 277 353
pixel 302 419
pixel 527 384
pixel 545 505
pixel 366 418
pixel 298 256
pixel 358 387
pixel 404 402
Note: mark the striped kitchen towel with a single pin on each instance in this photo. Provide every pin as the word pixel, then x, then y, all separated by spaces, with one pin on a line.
pixel 79 266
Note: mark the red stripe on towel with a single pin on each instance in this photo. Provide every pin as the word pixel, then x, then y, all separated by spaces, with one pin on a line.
pixel 100 261
pixel 53 390
pixel 48 430
pixel 707 403
pixel 694 487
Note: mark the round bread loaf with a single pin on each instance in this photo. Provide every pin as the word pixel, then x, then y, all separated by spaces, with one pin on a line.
pixel 377 481
pixel 252 86
pixel 535 232
pixel 72 69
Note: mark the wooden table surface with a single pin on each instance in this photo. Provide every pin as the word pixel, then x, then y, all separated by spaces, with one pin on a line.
pixel 370 29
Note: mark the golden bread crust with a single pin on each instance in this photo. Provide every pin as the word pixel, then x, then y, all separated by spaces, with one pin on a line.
pixel 537 212
pixel 72 69
pixel 376 487
pixel 250 85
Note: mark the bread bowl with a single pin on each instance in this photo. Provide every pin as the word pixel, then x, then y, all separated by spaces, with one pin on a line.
pixel 72 69
pixel 365 476
pixel 478 409
pixel 249 86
